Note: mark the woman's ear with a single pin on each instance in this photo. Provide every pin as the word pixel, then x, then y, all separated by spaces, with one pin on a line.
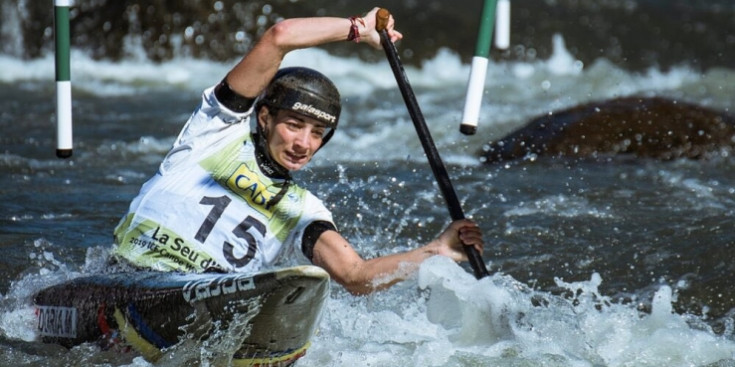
pixel 263 114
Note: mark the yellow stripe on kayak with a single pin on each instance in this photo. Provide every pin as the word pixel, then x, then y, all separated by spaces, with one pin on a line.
pixel 149 351
pixel 271 361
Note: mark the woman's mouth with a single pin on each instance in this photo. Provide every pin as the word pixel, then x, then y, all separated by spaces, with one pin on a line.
pixel 296 158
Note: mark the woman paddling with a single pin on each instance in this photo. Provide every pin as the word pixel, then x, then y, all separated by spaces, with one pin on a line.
pixel 223 198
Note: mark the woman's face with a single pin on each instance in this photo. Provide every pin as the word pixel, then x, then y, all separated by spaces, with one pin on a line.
pixel 292 138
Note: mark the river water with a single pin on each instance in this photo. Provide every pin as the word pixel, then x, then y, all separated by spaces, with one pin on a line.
pixel 627 262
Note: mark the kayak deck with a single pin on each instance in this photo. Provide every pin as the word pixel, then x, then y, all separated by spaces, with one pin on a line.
pixel 271 316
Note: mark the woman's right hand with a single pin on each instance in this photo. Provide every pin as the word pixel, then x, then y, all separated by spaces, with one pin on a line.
pixel 370 35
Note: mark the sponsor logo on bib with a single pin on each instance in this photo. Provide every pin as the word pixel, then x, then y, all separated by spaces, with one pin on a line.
pixel 246 184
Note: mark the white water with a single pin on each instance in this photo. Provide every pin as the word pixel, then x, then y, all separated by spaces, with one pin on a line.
pixel 443 317
pixel 459 321
pixel 514 93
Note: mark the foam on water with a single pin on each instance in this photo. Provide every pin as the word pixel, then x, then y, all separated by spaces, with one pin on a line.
pixel 353 76
pixel 459 321
pixel 443 316
pixel 514 92
pixel 559 205
pixel 17 316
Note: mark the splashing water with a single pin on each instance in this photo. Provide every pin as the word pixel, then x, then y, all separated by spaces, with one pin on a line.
pixel 457 320
pixel 642 226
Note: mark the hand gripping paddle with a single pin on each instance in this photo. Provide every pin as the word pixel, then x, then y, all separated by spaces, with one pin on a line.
pixel 440 172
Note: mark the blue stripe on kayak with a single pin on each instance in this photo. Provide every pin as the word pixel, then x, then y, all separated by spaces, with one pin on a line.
pixel 144 330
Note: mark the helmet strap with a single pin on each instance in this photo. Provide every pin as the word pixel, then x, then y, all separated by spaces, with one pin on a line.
pixel 326 138
pixel 267 164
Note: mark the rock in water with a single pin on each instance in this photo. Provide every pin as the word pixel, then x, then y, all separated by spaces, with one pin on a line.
pixel 656 128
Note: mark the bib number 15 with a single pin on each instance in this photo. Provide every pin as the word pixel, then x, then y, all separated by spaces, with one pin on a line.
pixel 240 231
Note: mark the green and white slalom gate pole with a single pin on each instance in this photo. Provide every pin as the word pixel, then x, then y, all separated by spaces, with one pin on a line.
pixel 502 25
pixel 63 79
pixel 478 69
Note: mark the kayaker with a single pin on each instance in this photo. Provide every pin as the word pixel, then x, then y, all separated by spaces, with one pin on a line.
pixel 223 198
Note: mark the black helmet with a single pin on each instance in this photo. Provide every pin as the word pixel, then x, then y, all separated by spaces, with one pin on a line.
pixel 305 91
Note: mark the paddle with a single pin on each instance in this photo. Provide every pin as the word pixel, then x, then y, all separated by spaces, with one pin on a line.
pixel 440 172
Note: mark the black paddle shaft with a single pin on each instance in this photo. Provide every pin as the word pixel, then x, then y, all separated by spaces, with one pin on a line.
pixel 437 166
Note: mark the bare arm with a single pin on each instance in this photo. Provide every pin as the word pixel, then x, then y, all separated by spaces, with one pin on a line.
pixel 333 253
pixel 251 75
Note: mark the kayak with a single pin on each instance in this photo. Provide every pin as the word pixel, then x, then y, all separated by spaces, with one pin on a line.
pixel 273 314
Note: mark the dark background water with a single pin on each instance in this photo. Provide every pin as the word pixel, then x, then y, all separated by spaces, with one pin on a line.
pixel 639 223
pixel 632 33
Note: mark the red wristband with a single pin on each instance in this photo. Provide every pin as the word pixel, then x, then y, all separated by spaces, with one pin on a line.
pixel 354 34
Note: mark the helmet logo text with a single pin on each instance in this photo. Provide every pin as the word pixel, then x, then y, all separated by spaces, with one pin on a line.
pixel 301 107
